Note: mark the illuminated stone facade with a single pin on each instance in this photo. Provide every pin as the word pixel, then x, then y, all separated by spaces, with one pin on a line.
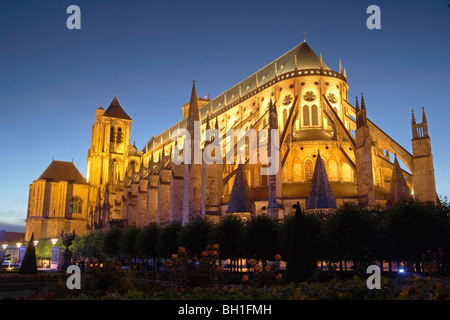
pixel 300 96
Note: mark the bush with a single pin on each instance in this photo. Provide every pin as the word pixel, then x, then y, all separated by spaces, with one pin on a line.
pixel 194 271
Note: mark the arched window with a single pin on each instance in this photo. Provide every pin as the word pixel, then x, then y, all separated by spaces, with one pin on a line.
pixel 314 115
pixel 132 166
pixel 306 121
pixel 75 205
pixel 119 137
pixel 309 169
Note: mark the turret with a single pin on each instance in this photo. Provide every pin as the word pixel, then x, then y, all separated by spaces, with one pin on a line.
pixel 423 170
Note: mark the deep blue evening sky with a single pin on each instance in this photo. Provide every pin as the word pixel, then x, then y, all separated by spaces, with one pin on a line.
pixel 53 79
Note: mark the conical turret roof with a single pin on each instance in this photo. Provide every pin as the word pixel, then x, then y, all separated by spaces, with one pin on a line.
pixel 240 196
pixel 399 190
pixel 115 110
pixel 320 194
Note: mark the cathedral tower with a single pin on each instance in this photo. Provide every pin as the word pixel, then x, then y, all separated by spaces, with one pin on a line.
pixel 107 159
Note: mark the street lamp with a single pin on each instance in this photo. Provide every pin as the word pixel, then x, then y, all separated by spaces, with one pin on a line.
pixel 18 244
pixel 54 241
pixel 35 242
pixel 4 246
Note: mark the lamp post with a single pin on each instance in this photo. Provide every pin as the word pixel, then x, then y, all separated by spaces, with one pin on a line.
pixel 5 246
pixel 35 242
pixel 18 245
pixel 54 262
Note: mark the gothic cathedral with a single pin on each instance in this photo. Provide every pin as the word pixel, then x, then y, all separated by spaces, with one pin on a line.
pixel 329 153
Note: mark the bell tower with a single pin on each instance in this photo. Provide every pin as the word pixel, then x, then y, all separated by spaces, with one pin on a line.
pixel 423 171
pixel 107 158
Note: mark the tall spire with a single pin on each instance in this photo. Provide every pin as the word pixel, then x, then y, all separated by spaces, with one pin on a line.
pixel 216 126
pixel 399 190
pixel 363 104
pixel 340 66
pixel 424 118
pixel 192 118
pixel 193 113
pixel 357 104
pixel 320 194
pixel 207 121
pixel 413 119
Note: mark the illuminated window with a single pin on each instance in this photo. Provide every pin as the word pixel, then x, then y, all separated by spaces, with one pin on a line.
pixel 75 205
pixel 314 115
pixel 306 116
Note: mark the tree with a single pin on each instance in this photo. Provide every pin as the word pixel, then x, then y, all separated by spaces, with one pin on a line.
pixel 167 242
pixel 44 248
pixel 111 240
pixel 228 234
pixel 260 238
pixel 127 244
pixel 314 223
pixel 300 262
pixel 147 240
pixel 29 265
pixel 411 228
pixel 349 234
pixel 195 235
pixel 146 243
